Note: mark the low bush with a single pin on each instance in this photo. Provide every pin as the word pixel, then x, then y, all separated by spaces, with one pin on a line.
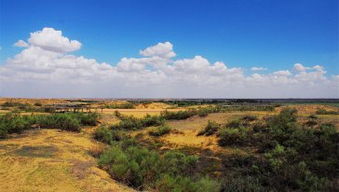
pixel 133 123
pixel 325 112
pixel 90 119
pixel 178 115
pixel 144 169
pixel 233 137
pixel 61 121
pixel 108 136
pixel 160 131
pixel 15 123
pixel 249 118
pixel 294 157
pixel 168 183
pixel 211 128
pixel 103 134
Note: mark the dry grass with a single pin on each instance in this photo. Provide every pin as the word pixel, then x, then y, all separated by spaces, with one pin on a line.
pixel 51 160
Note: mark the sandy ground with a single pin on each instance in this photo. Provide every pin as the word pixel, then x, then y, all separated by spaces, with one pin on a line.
pixel 52 160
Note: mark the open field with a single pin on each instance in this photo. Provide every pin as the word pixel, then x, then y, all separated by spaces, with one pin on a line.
pixel 41 159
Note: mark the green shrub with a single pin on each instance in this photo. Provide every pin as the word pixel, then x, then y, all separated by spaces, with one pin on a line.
pixel 242 184
pixel 160 131
pixel 13 123
pixel 237 123
pixel 133 123
pixel 178 115
pixel 62 121
pixel 325 112
pixel 87 118
pixel 154 120
pixel 203 113
pixel 103 134
pixel 142 168
pixel 249 118
pixel 233 137
pixel 168 183
pixel 211 128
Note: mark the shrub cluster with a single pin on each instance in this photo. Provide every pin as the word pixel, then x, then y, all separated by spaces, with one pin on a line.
pixel 108 136
pixel 248 108
pixel 325 112
pixel 15 123
pixel 211 128
pixel 16 106
pixel 179 115
pixel 295 157
pixel 160 131
pixel 133 123
pixel 145 169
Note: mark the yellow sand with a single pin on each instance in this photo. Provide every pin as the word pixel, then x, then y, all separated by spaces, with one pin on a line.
pixel 52 160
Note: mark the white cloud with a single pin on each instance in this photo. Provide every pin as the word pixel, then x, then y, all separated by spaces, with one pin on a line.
pixel 258 68
pixel 282 73
pixel 21 43
pixel 164 50
pixel 46 69
pixel 300 67
pixel 52 40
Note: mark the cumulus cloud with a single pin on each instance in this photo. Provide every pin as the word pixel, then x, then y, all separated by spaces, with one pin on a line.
pixel 282 73
pixel 21 43
pixel 46 68
pixel 52 40
pixel 258 68
pixel 300 67
pixel 164 50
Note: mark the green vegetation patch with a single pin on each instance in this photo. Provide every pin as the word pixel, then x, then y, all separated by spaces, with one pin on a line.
pixel 160 131
pixel 16 123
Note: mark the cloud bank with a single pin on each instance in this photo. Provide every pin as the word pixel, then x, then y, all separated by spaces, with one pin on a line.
pixel 46 68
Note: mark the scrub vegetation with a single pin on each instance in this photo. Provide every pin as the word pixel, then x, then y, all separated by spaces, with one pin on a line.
pixel 201 147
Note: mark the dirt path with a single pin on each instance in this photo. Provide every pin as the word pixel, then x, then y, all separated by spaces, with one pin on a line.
pixel 52 160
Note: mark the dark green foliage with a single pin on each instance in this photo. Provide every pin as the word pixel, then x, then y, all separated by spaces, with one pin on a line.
pixel 16 106
pixel 202 113
pixel 242 184
pixel 249 118
pixel 142 168
pixel 169 183
pixel 211 128
pixel 38 104
pixel 103 134
pixel 90 119
pixel 236 124
pixel 247 108
pixel 160 131
pixel 179 115
pixel 133 123
pixel 236 136
pixel 325 112
pixel 62 121
pixel 154 120
pixel 15 123
pixel 295 157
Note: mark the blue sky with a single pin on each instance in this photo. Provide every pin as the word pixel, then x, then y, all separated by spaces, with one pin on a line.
pixel 271 34
pixel 168 48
